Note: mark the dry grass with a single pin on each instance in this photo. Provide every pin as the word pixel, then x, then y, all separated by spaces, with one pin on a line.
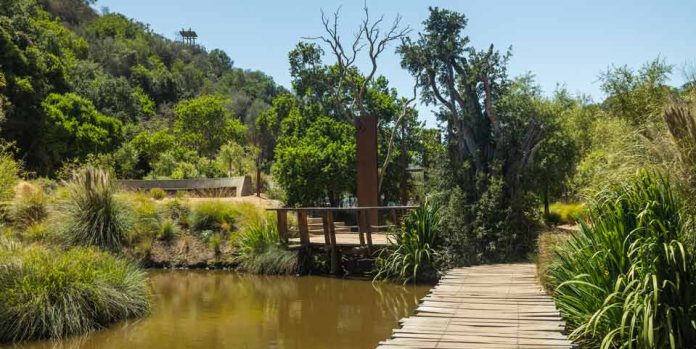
pixel 548 244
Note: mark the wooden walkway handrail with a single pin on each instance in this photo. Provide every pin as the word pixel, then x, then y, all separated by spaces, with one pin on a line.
pixel 367 218
pixel 322 208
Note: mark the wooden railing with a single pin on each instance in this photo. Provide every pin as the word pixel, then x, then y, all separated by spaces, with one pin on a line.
pixel 368 220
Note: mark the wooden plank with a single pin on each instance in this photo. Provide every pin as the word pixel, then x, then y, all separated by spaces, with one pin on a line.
pixel 283 226
pixel 493 306
pixel 304 231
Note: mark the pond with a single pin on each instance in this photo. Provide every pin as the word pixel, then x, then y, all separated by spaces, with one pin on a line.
pixel 218 309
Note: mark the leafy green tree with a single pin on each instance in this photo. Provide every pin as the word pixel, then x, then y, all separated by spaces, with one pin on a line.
pixel 74 128
pixel 315 160
pixel 234 159
pixel 491 141
pixel 637 96
pixel 204 123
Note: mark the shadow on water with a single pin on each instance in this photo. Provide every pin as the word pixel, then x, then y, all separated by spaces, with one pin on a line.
pixel 216 309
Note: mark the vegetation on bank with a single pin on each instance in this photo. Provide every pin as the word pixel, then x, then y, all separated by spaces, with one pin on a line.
pixel 626 279
pixel 50 293
pixel 412 255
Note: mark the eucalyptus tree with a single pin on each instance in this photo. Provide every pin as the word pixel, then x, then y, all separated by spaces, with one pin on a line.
pixel 492 138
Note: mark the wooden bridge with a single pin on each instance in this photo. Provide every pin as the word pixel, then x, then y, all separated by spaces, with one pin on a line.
pixel 489 306
pixel 340 230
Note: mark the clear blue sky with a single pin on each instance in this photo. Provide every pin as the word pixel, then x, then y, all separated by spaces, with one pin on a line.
pixel 566 42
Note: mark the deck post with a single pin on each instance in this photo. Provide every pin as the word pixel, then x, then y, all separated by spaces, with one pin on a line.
pixel 304 231
pixel 283 226
pixel 394 217
pixel 325 228
pixel 368 224
pixel 360 217
pixel 333 247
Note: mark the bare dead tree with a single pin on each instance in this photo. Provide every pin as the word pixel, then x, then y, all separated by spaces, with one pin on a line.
pixel 369 36
pixel 405 108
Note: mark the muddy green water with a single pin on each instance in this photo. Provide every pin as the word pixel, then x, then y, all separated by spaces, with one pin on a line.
pixel 216 309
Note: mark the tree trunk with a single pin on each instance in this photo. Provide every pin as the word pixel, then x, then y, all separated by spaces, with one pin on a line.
pixel 366 158
pixel 403 186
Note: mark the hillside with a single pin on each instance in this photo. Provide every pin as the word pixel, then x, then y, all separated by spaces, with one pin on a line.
pixel 80 86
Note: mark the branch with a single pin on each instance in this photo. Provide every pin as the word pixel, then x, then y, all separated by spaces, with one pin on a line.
pixel 404 112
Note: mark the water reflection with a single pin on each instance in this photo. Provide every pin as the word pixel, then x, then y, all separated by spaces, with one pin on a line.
pixel 215 309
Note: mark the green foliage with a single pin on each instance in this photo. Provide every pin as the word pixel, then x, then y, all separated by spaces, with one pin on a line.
pixel 494 128
pixel 158 193
pixel 178 211
pixel 30 205
pixel 626 279
pixel 54 294
pixel 9 174
pixel 637 97
pixel 413 253
pixel 258 251
pixel 568 213
pixel 205 124
pixel 94 217
pixel 169 231
pixel 74 128
pixel 234 159
pixel 316 160
pixel 212 215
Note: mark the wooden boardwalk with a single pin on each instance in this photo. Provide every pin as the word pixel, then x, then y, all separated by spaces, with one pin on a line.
pixel 488 306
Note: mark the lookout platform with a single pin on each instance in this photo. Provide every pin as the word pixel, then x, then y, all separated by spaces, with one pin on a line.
pixel 488 306
pixel 339 230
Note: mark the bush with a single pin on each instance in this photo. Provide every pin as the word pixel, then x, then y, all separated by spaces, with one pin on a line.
pixel 94 216
pixel 146 218
pixel 492 229
pixel 567 213
pixel 625 280
pixel 178 211
pixel 9 173
pixel 158 193
pixel 212 215
pixel 258 251
pixel 413 253
pixel 29 205
pixel 169 231
pixel 53 294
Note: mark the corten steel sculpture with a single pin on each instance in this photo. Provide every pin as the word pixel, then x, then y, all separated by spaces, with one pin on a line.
pixel 370 38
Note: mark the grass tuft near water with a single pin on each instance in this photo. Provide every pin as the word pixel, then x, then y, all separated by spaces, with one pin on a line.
pixel 48 293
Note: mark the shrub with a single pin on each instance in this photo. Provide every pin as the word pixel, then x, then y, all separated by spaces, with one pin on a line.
pixel 258 251
pixel 146 218
pixel 169 231
pixel 9 173
pixel 29 205
pixel 94 216
pixel 413 252
pixel 211 215
pixel 53 294
pixel 37 232
pixel 215 242
pixel 625 280
pixel 567 213
pixel 178 211
pixel 158 193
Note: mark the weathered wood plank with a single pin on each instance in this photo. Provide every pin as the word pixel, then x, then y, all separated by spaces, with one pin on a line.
pixel 490 306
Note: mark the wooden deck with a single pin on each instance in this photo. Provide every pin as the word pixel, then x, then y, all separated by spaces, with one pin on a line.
pixel 489 306
pixel 345 239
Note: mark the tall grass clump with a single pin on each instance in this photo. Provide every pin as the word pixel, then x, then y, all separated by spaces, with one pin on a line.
pixel 53 294
pixel 212 215
pixel 412 254
pixel 94 217
pixel 9 173
pixel 258 251
pixel 626 280
pixel 29 206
